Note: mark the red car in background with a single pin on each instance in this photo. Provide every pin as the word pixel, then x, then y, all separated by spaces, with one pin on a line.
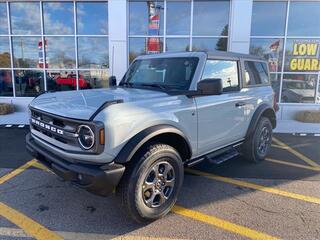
pixel 71 81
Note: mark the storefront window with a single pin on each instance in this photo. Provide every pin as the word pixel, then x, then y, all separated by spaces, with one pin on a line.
pixel 146 18
pixel 178 18
pixel 92 18
pixel 93 79
pixel 61 80
pixel 210 18
pixel 177 44
pixel 4 52
pixel 270 49
pixel 60 52
pixel 25 18
pixel 28 83
pixel 26 52
pixel 302 55
pixel 268 18
pixel 209 44
pixel 93 52
pixel 146 26
pixel 58 18
pixel 304 19
pixel 6 88
pixel 3 19
pixel 299 88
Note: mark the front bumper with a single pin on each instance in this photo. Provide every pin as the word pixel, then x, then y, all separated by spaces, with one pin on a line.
pixel 100 180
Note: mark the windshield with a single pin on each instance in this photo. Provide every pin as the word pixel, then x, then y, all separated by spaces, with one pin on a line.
pixel 163 73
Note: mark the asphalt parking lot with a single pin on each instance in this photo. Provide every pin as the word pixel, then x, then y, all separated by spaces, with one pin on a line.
pixel 276 199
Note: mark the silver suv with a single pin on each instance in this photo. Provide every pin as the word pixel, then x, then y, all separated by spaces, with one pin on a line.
pixel 169 111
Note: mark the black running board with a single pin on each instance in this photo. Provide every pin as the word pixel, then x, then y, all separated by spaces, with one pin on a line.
pixel 218 156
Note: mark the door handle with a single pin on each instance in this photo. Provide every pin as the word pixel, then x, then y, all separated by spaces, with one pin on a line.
pixel 240 104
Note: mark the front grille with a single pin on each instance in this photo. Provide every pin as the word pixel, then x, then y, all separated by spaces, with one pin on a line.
pixel 63 131
pixel 55 127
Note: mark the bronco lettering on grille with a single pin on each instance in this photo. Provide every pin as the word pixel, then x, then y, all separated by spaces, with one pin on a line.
pixel 47 126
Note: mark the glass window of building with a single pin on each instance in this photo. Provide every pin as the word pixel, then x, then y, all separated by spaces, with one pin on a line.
pixel 26 52
pixel 97 78
pixel 268 18
pixel 93 52
pixel 6 88
pixel 210 44
pixel 92 18
pixel 58 80
pixel 304 18
pixel 46 37
pixel 299 88
pixel 4 53
pixel 210 18
pixel 270 49
pixel 60 52
pixel 140 46
pixel 178 17
pixel 3 19
pixel 177 44
pixel 295 69
pixel 146 18
pixel 149 31
pixel 28 83
pixel 58 18
pixel 25 18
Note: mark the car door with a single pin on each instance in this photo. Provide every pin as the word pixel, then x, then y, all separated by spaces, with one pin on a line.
pixel 221 118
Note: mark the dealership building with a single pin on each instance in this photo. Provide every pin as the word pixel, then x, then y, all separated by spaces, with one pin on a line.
pixel 74 45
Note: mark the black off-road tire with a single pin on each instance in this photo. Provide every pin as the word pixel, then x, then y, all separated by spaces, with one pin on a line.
pixel 129 190
pixel 250 148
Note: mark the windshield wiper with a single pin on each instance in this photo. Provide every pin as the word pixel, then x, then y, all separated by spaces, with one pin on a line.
pixel 126 84
pixel 155 85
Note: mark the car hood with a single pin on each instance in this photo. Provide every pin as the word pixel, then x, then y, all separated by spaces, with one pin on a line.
pixel 83 104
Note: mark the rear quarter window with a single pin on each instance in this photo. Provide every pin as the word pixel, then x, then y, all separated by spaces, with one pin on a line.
pixel 256 73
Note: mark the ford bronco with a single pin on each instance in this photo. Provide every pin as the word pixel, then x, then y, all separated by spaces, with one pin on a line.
pixel 169 111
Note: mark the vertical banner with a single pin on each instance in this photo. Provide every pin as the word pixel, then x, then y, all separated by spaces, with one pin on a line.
pixel 41 57
pixel 153 44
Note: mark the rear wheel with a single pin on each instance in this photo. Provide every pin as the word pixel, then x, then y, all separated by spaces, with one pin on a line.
pixel 256 146
pixel 151 183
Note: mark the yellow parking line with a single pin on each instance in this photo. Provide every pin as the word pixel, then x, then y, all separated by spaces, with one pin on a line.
pixel 28 225
pixel 293 164
pixel 278 146
pixel 256 186
pixel 217 222
pixel 296 153
pixel 40 166
pixel 16 171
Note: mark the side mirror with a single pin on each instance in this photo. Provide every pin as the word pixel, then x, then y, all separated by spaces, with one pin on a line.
pixel 112 81
pixel 210 86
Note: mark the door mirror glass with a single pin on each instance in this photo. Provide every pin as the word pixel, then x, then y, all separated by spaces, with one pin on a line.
pixel 210 86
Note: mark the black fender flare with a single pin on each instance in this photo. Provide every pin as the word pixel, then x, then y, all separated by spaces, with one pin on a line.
pixel 263 110
pixel 137 141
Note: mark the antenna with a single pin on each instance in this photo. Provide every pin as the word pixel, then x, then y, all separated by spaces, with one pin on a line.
pixel 112 60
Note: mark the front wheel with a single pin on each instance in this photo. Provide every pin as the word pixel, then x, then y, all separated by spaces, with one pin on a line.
pixel 257 145
pixel 151 183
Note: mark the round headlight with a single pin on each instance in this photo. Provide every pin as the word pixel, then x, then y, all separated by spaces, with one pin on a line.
pixel 85 137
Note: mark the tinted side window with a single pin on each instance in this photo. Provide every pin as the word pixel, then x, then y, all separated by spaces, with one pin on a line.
pixel 256 73
pixel 226 70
